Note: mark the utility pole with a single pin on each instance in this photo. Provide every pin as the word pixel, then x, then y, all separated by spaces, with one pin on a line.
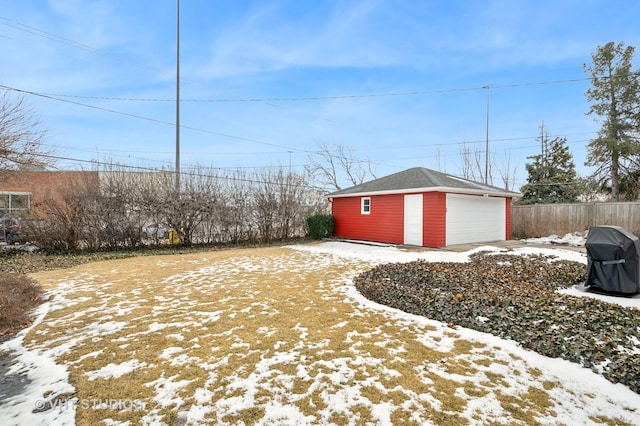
pixel 543 155
pixel 178 100
pixel 486 152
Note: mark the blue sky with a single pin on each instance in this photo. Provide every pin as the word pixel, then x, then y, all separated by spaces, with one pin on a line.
pixel 264 83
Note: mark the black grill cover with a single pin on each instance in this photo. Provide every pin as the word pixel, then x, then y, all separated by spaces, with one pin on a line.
pixel 613 260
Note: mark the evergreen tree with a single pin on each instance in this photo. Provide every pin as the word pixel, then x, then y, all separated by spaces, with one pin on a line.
pixel 552 174
pixel 630 184
pixel 615 98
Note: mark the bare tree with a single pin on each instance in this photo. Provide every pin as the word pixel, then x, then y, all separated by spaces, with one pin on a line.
pixel 21 138
pixel 473 163
pixel 60 220
pixel 333 167
pixel 467 170
pixel 196 204
pixel 237 212
pixel 473 166
pixel 282 200
pixel 508 171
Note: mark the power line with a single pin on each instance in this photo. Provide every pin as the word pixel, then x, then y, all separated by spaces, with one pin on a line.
pixel 155 170
pixel 66 41
pixel 108 153
pixel 107 150
pixel 191 174
pixel 368 149
pixel 117 153
pixel 72 43
pixel 164 122
pixel 479 151
pixel 63 40
pixel 154 120
pixel 335 97
pixel 329 97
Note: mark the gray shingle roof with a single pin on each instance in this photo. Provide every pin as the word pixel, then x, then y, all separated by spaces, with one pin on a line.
pixel 421 178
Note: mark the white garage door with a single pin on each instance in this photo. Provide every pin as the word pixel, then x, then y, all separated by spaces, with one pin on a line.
pixel 475 219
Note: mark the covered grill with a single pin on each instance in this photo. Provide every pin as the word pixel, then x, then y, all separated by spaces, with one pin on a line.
pixel 613 260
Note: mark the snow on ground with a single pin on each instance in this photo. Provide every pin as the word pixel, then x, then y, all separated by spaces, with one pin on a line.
pixel 578 239
pixel 39 369
pixel 575 378
pixel 337 384
pixel 632 301
pixel 388 253
pixel 575 239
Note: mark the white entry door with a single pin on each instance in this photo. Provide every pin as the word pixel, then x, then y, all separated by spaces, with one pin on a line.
pixel 413 219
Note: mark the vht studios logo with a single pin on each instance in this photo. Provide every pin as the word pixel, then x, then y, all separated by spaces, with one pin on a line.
pixel 89 404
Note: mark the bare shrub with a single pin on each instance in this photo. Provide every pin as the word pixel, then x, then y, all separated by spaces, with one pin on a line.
pixel 237 207
pixel 61 220
pixel 19 295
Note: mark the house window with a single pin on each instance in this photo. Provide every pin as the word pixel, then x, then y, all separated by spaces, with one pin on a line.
pixel 14 203
pixel 365 205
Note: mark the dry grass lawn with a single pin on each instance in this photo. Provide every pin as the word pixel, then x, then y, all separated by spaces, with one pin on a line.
pixel 270 335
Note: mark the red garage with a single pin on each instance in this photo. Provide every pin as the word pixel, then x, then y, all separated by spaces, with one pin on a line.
pixel 422 207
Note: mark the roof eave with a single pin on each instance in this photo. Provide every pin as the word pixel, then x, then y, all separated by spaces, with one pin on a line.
pixel 447 189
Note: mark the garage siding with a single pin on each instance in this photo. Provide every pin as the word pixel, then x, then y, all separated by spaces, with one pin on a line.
pixel 507 231
pixel 472 219
pixel 447 219
pixel 383 224
pixel 435 230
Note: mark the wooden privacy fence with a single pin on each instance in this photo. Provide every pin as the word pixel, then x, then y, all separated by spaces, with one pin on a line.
pixel 548 219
